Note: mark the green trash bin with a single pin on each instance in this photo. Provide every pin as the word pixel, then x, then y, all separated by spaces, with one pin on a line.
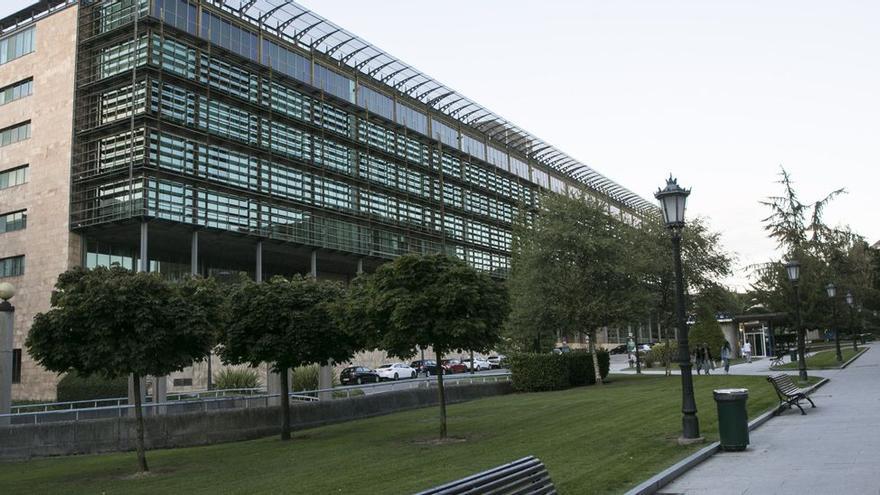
pixel 794 355
pixel 733 418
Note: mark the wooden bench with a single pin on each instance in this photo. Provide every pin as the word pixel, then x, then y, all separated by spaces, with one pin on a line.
pixel 525 476
pixel 789 393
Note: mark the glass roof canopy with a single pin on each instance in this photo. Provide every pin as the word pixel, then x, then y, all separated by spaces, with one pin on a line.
pixel 310 31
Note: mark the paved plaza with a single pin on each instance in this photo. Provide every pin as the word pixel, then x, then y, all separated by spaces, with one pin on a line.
pixel 835 448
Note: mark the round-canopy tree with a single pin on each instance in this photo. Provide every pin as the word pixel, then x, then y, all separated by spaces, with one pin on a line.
pixel 433 301
pixel 114 322
pixel 288 323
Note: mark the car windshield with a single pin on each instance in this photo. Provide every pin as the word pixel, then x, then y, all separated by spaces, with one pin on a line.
pixel 386 366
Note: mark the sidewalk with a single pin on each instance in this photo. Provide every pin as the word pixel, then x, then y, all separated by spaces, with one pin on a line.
pixel 835 448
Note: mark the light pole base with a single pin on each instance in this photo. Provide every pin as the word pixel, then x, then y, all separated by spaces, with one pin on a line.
pixel 691 441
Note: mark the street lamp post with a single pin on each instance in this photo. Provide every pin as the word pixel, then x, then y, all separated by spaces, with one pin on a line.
pixel 793 270
pixel 852 326
pixel 673 200
pixel 7 316
pixel 832 293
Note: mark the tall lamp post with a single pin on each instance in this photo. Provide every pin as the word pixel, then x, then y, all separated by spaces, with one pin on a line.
pixel 850 302
pixel 673 200
pixel 832 293
pixel 793 270
pixel 7 316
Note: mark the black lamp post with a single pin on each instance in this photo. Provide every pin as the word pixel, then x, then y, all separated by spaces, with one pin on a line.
pixel 852 325
pixel 793 269
pixel 832 293
pixel 673 200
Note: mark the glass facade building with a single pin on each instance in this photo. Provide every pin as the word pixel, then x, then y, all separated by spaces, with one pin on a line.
pixel 190 113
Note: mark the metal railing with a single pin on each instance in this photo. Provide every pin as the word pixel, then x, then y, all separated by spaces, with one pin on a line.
pixel 213 400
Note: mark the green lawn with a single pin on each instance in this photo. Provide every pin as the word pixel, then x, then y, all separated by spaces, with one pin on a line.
pixel 592 439
pixel 822 360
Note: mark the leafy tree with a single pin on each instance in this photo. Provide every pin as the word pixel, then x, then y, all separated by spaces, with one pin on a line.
pixel 575 269
pixel 434 301
pixel 707 331
pixel 704 262
pixel 113 322
pixel 288 323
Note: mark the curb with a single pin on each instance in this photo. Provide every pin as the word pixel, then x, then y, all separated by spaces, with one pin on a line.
pixel 655 483
pixel 858 355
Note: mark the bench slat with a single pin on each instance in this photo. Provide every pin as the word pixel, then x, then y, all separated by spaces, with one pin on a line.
pixel 523 476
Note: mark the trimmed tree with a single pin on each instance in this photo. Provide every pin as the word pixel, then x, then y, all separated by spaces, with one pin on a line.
pixel 114 323
pixel 287 323
pixel 420 301
pixel 576 268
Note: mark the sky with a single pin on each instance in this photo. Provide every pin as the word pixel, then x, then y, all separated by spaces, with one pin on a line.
pixel 720 94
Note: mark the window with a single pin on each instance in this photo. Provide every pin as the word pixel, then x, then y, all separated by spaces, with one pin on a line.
pixel 16 366
pixel 179 13
pixel 11 267
pixel 13 177
pixel 334 83
pixel 183 382
pixel 9 222
pixel 16 91
pixel 375 101
pixel 16 133
pixel 412 118
pixel 17 45
pixel 223 33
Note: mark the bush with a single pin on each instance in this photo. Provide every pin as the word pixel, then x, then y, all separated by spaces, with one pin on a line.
pixel 236 378
pixel 665 354
pixel 707 332
pixel 74 387
pixel 539 372
pixel 648 359
pixel 305 378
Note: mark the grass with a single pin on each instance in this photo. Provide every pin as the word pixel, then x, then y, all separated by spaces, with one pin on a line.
pixel 592 439
pixel 823 360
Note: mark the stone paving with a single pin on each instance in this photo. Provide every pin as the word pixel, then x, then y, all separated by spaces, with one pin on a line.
pixel 835 448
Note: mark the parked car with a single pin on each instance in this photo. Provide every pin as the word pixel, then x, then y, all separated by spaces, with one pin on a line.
pixel 479 364
pixel 496 362
pixel 426 367
pixel 644 347
pixel 395 371
pixel 454 366
pixel 358 375
pixel 620 349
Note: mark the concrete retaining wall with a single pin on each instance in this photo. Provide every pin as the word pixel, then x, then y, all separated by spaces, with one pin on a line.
pixel 202 428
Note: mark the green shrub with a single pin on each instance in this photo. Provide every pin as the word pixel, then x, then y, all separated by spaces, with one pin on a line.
pixel 665 354
pixel 74 387
pixel 236 378
pixel 540 372
pixel 532 372
pixel 580 367
pixel 648 359
pixel 305 378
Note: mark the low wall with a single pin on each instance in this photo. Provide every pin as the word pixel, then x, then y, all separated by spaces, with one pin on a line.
pixel 202 428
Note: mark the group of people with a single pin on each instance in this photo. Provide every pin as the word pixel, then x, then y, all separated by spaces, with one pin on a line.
pixel 704 361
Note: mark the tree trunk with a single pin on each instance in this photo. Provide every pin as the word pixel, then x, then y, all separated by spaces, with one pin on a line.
pixel 442 394
pixel 596 369
pixel 473 364
pixel 285 406
pixel 139 419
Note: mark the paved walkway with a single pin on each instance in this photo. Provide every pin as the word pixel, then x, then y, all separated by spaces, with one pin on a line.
pixel 834 449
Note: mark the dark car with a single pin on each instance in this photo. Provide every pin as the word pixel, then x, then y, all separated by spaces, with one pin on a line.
pixel 621 349
pixel 358 375
pixel 427 366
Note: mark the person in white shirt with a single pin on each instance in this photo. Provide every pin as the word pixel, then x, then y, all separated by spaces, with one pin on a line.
pixel 747 351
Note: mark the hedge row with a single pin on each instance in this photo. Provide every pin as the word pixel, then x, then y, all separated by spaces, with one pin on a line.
pixel 74 387
pixel 542 372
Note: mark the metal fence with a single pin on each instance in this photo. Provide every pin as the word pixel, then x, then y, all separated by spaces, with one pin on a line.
pixel 214 400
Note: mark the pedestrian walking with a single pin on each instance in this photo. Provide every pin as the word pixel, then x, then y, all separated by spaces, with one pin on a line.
pixel 747 351
pixel 707 359
pixel 630 350
pixel 698 359
pixel 725 357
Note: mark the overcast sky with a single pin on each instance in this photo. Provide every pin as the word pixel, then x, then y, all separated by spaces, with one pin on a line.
pixel 718 93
